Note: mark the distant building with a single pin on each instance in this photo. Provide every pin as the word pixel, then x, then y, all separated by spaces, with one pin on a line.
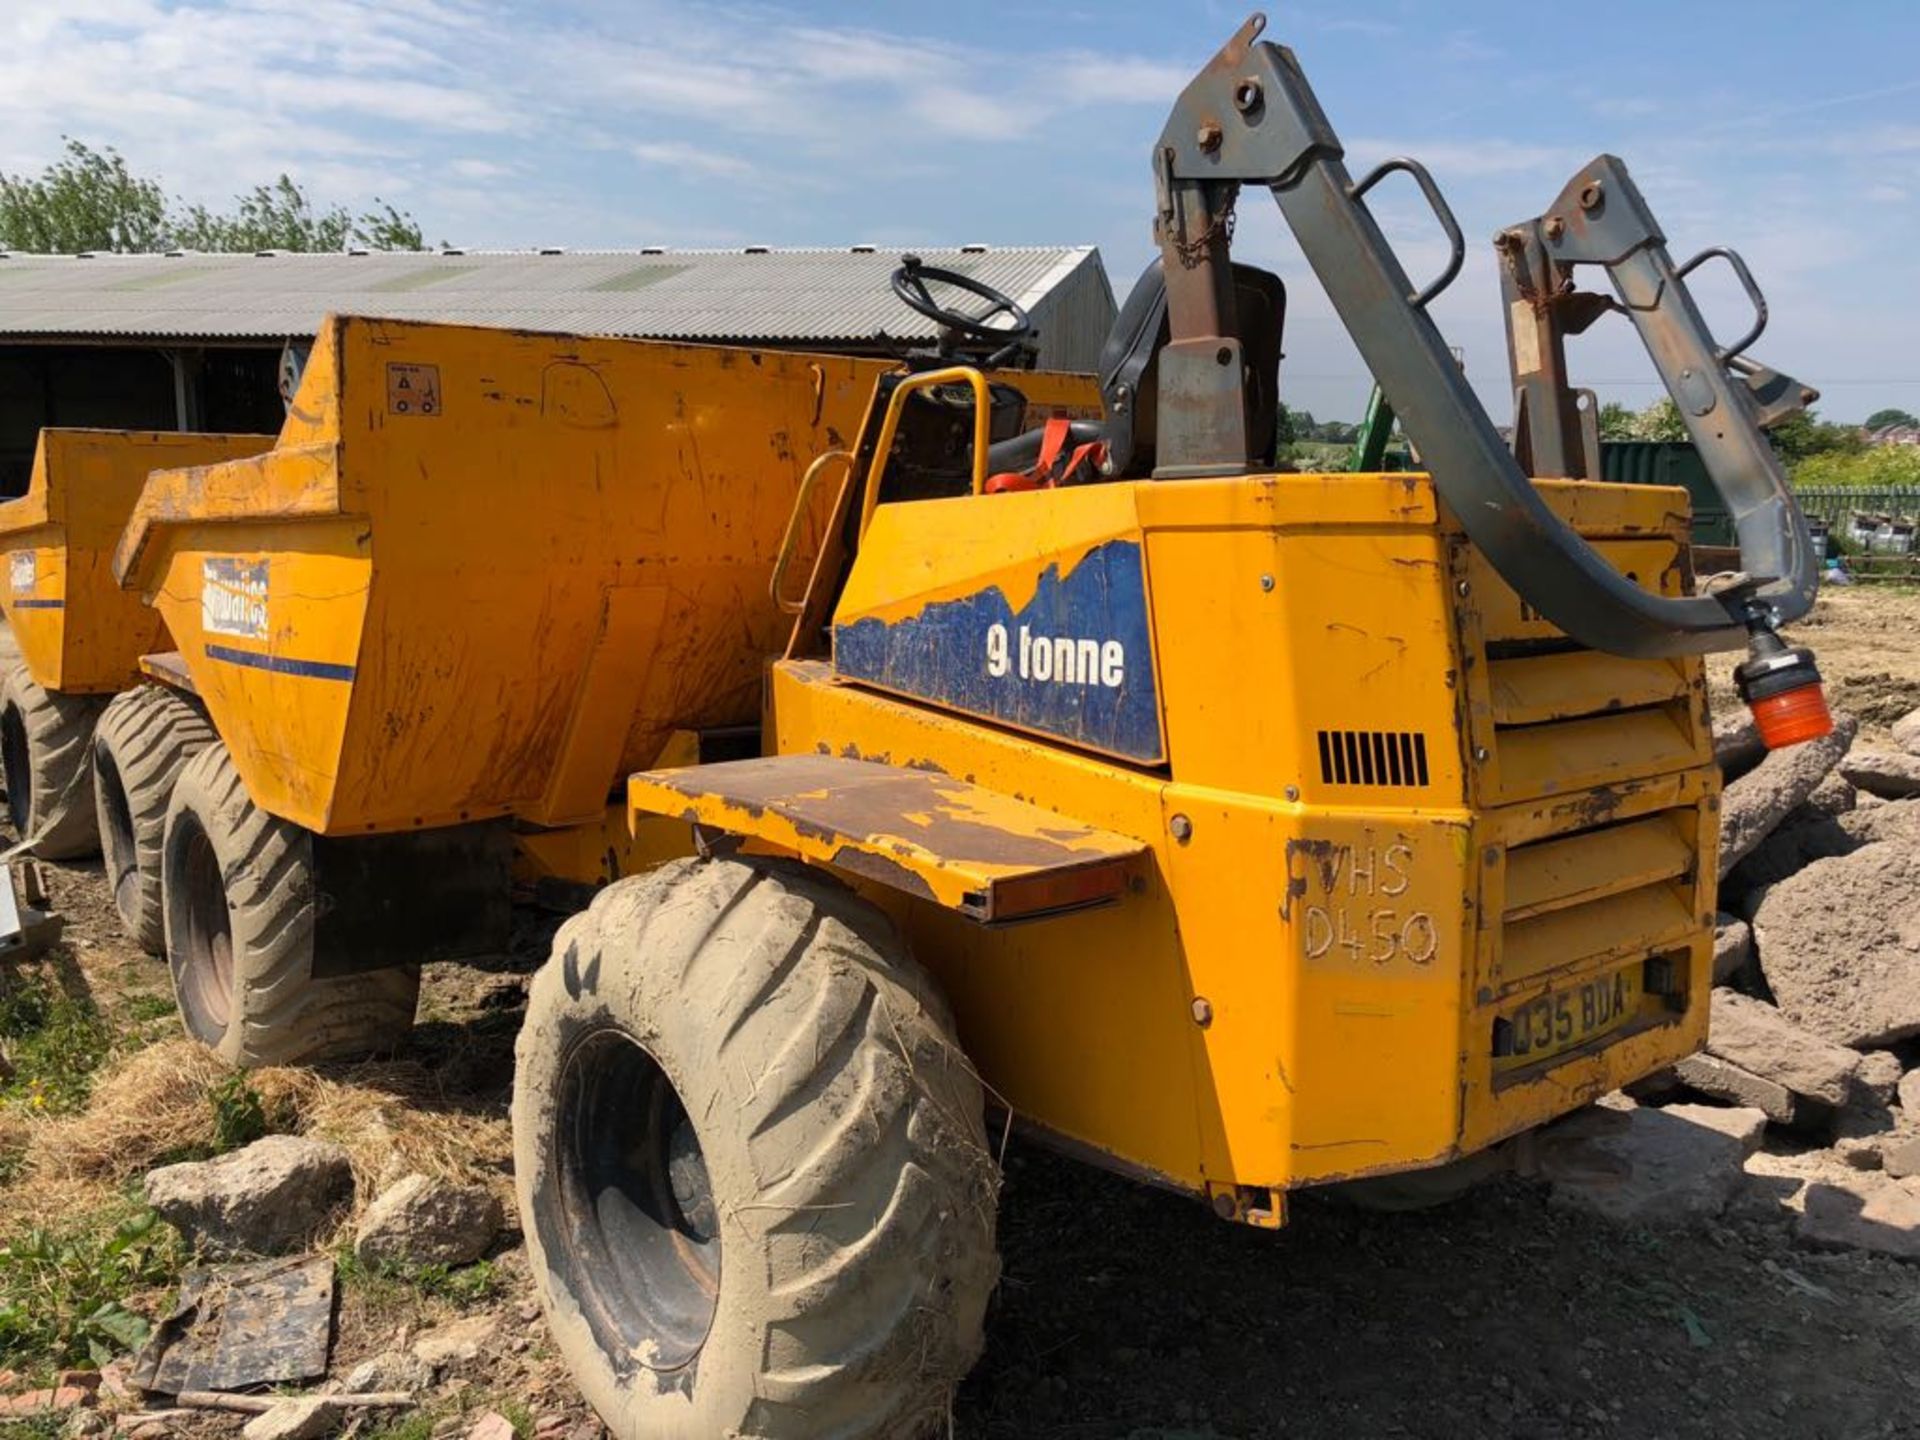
pixel 1894 435
pixel 191 341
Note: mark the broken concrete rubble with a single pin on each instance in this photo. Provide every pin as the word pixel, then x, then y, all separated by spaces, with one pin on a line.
pixel 1647 1166
pixel 1900 1157
pixel 1756 1056
pixel 1834 795
pixel 1906 732
pixel 1865 1212
pixel 1754 804
pixel 1839 945
pixel 1732 947
pixel 1890 774
pixel 308 1418
pixel 423 1221
pixel 1878 1076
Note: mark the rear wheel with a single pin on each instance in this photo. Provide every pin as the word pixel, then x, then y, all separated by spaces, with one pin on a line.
pixel 237 894
pixel 751 1162
pixel 44 740
pixel 145 737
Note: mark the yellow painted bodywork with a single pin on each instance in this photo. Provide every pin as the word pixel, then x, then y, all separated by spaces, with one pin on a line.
pixel 78 631
pixel 487 573
pixel 1310 980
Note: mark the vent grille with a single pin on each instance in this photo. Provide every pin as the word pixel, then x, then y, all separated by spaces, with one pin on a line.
pixel 1373 757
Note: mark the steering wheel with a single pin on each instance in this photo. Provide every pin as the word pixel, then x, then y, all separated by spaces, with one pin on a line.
pixel 910 285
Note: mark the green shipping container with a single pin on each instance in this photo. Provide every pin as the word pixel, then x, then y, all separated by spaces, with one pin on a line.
pixel 1671 462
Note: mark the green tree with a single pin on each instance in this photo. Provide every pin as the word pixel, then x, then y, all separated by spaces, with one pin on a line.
pixel 1616 421
pixel 1805 435
pixel 1660 421
pixel 281 217
pixel 1881 418
pixel 86 200
pixel 1876 467
pixel 1292 426
pixel 89 200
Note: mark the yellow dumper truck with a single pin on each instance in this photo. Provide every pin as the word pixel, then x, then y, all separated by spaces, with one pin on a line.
pixel 64 738
pixel 480 577
pixel 1238 830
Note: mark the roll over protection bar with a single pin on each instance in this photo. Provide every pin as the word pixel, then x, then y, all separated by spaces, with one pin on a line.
pixel 1250 117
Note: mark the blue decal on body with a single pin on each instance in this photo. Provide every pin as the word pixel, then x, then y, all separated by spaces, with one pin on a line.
pixel 1075 661
pixel 280 664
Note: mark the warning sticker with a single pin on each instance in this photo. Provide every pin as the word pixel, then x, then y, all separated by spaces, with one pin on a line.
pixel 233 597
pixel 413 389
pixel 23 571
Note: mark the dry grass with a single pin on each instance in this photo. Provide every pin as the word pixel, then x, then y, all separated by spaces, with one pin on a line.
pixel 154 1105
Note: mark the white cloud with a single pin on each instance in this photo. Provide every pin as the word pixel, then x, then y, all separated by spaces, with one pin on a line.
pixel 678 155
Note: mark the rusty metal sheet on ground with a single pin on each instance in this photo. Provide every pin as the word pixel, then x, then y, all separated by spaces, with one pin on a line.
pixel 238 1326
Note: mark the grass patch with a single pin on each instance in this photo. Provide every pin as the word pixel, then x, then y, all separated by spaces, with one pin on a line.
pixel 63 1291
pixel 417 1426
pixel 387 1287
pixel 55 1041
pixel 142 1008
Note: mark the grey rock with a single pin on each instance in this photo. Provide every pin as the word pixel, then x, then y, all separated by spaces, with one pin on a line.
pixel 267 1199
pixel 1890 774
pixel 1877 1079
pixel 1753 805
pixel 1839 945
pixel 301 1419
pixel 1908 1095
pixel 1863 1212
pixel 1906 732
pixel 424 1221
pixel 1646 1166
pixel 1732 947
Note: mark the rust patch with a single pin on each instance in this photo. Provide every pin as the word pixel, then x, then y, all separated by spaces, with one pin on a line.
pixel 1323 855
pixel 879 868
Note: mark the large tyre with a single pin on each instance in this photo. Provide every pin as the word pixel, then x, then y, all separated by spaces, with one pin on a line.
pixel 751 1162
pixel 237 892
pixel 144 738
pixel 44 741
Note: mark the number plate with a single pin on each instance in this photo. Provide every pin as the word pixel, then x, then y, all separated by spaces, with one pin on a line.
pixel 1566 1019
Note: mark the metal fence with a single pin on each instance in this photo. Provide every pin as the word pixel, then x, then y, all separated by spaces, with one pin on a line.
pixel 1837 504
pixel 1874 530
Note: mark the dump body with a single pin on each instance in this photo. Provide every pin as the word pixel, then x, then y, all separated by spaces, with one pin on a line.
pixel 1419 872
pixel 487 572
pixel 78 631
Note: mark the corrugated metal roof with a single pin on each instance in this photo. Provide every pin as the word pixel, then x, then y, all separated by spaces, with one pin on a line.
pixel 756 295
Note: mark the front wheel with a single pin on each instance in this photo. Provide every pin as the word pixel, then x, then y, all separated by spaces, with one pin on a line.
pixel 238 897
pixel 46 737
pixel 145 737
pixel 751 1162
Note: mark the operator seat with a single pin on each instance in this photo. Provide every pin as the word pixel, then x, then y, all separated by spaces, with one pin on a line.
pixel 1129 376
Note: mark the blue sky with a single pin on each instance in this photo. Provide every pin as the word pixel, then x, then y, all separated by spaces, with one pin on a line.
pixel 1789 131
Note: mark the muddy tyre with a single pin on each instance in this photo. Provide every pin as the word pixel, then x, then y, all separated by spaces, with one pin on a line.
pixel 145 737
pixel 45 740
pixel 238 898
pixel 751 1163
